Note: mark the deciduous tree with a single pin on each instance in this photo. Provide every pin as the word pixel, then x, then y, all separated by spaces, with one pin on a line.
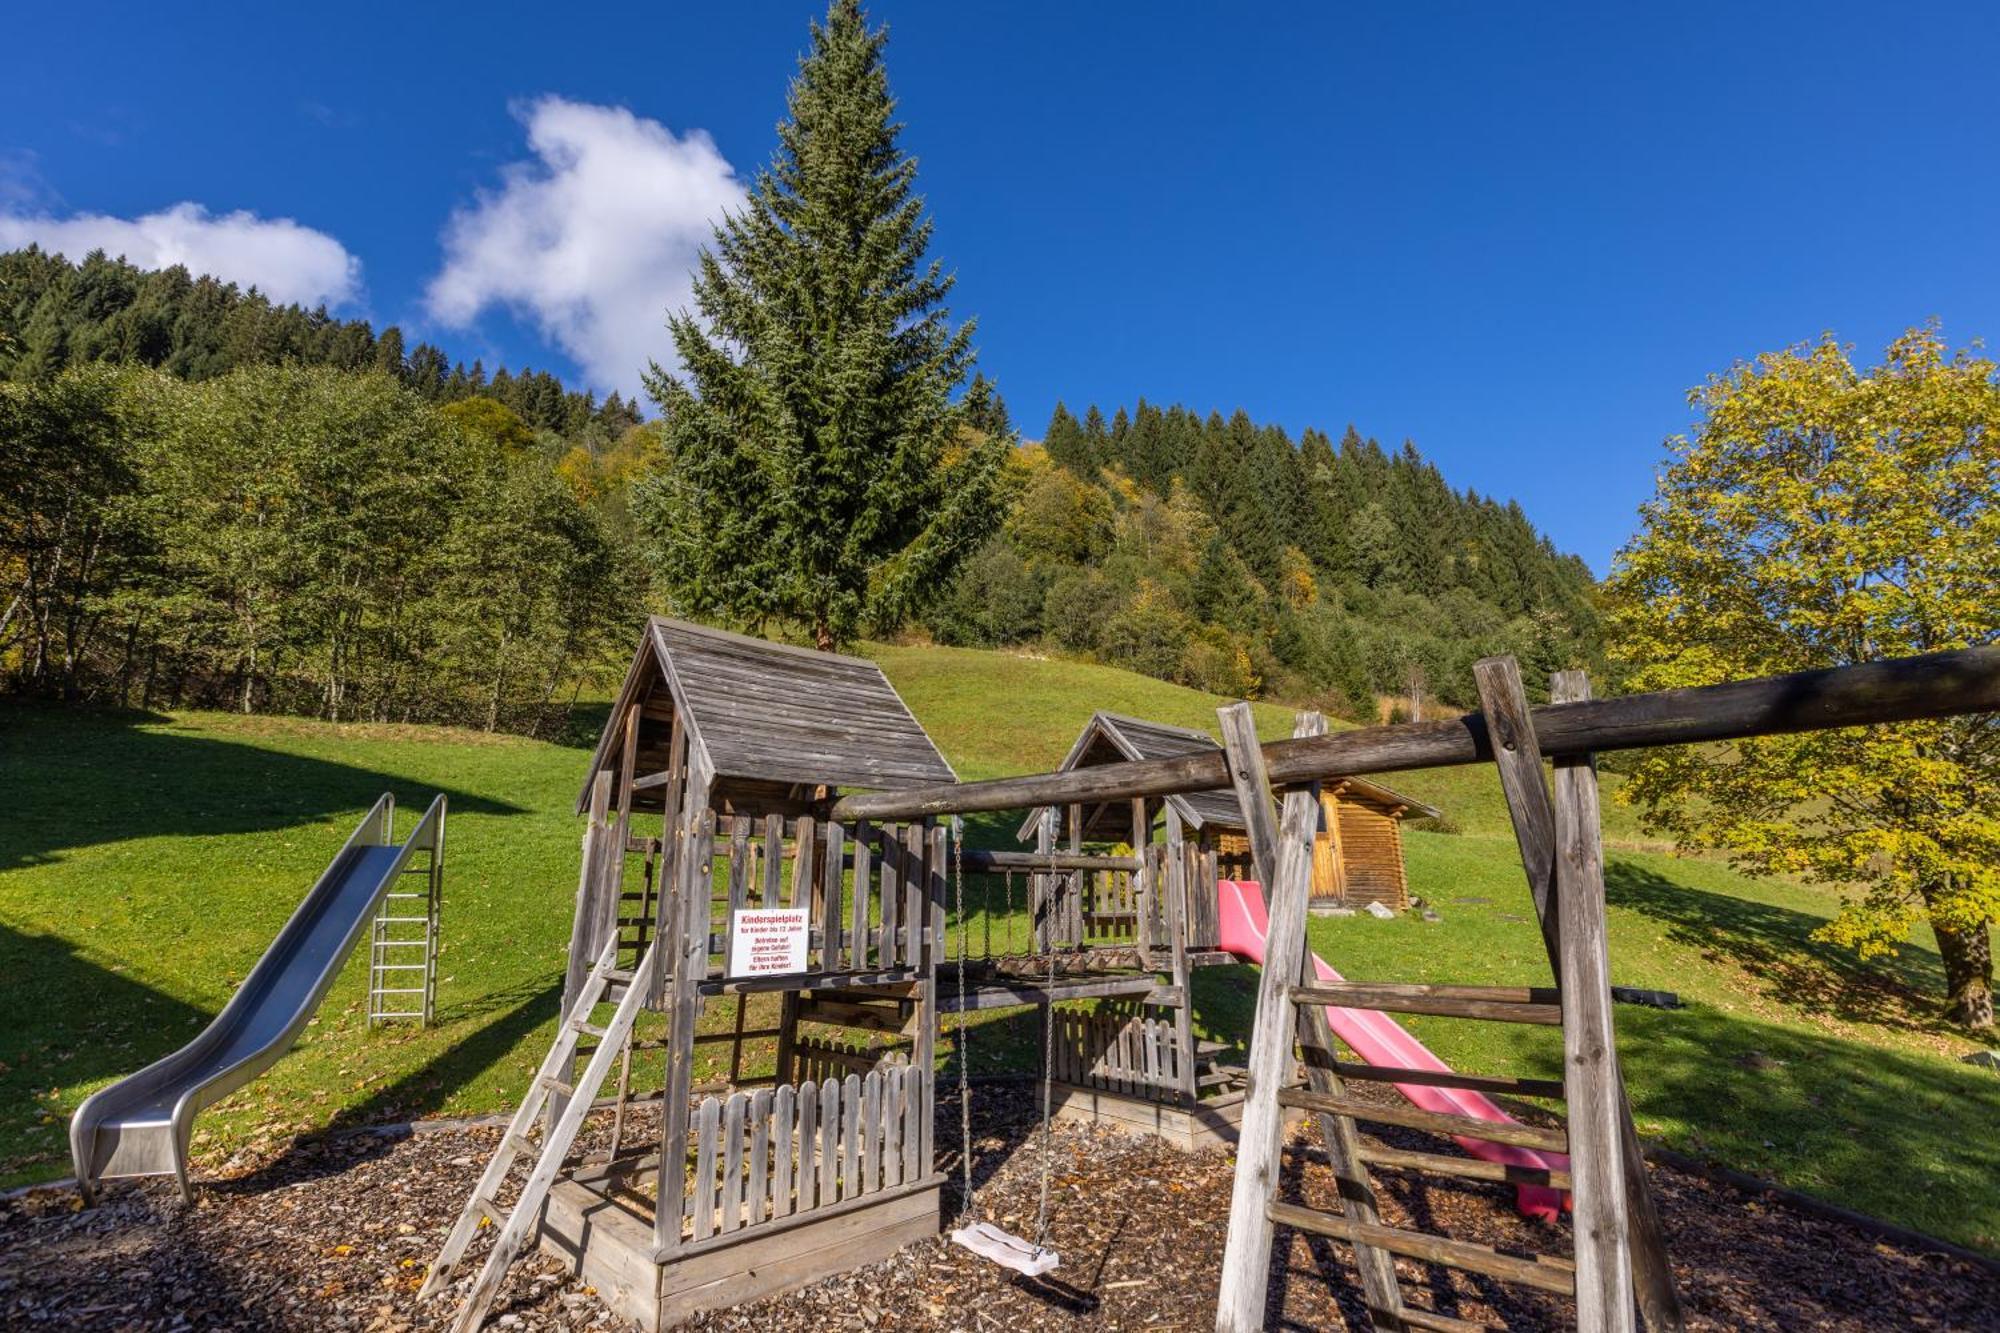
pixel 1821 515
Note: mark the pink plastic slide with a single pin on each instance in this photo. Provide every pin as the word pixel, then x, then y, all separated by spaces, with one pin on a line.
pixel 1380 1040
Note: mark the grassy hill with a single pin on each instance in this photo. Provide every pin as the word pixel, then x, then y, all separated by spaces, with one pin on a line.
pixel 146 861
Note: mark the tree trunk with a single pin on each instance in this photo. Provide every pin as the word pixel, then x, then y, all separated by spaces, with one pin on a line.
pixel 822 634
pixel 1968 975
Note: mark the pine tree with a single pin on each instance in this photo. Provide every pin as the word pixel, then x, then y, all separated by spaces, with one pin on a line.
pixel 818 467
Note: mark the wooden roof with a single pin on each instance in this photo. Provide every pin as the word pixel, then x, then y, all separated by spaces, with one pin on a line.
pixel 773 712
pixel 1111 737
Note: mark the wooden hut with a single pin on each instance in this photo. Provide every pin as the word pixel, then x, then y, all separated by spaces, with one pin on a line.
pixel 1358 852
pixel 708 796
pixel 1357 856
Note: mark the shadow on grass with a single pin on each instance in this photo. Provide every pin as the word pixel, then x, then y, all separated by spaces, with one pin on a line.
pixel 75 779
pixel 70 1023
pixel 1891 1134
pixel 1775 945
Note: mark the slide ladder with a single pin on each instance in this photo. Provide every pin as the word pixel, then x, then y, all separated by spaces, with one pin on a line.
pixel 515 1224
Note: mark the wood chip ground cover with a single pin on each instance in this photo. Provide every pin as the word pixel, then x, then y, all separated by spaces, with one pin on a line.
pixel 336 1234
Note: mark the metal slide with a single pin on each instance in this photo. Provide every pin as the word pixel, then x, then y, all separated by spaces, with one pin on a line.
pixel 140 1125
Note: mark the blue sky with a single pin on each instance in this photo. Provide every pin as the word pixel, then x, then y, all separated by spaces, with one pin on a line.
pixel 1516 235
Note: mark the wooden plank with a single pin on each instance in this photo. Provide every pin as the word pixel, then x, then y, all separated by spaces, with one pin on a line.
pixel 916 882
pixel 871 1131
pixel 1469 1168
pixel 1542 1274
pixel 887 954
pixel 732 1160
pixel 1359 995
pixel 807 1180
pixel 760 1155
pixel 829 1140
pixel 916 1121
pixel 1285 858
pixel 774 858
pixel 1450 1078
pixel 707 1127
pixel 673 844
pixel 785 1153
pixel 1455 1126
pixel 890 1136
pixel 863 874
pixel 835 956
pixel 1935 685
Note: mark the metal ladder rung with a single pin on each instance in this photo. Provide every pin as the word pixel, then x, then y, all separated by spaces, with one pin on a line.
pixel 403 920
pixel 398 990
pixel 400 967
pixel 404 944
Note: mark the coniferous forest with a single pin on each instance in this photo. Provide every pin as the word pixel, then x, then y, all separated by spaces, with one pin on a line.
pixel 207 499
pixel 1224 554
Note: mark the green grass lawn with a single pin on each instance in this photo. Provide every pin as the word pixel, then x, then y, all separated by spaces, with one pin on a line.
pixel 145 863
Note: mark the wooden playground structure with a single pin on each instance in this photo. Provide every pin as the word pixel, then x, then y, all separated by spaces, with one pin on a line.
pixel 768 820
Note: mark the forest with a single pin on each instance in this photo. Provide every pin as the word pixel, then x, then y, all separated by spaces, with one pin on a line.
pixel 210 500
pixel 1223 554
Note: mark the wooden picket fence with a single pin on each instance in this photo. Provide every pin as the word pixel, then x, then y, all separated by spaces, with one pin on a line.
pixel 764 1156
pixel 1118 1050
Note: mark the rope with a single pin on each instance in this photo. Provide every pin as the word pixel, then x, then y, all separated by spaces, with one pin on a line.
pixel 964 1054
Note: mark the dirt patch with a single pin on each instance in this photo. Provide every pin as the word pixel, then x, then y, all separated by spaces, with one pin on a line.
pixel 336 1234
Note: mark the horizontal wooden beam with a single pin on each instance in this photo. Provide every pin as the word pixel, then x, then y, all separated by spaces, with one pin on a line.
pixel 1501 1006
pixel 979 861
pixel 1543 1273
pixel 1497 1085
pixel 1898 690
pixel 1452 1126
pixel 1466 1168
pixel 1147 990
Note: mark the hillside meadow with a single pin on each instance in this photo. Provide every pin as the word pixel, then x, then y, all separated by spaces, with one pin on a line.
pixel 147 860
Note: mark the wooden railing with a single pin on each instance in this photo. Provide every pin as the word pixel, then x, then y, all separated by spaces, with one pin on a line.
pixel 1118 1050
pixel 766 1156
pixel 868 890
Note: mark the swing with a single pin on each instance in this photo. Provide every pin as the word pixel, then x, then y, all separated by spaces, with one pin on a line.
pixel 1029 1259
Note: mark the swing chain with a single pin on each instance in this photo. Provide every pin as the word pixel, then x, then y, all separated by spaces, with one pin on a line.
pixel 964 1054
pixel 1049 1048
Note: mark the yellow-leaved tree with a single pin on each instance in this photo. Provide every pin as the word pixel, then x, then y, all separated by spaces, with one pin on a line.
pixel 1820 515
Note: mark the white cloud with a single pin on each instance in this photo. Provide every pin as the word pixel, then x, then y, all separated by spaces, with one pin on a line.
pixel 594 240
pixel 281 258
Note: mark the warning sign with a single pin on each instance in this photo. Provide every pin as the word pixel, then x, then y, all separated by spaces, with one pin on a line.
pixel 767 941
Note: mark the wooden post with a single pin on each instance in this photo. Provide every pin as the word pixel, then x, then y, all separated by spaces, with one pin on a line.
pixel 688 933
pixel 672 844
pixel 1518 756
pixel 1283 857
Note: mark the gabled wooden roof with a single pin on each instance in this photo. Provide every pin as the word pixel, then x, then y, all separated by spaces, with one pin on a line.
pixel 773 712
pixel 1110 737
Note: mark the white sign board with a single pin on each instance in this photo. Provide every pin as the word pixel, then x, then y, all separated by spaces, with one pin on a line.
pixel 767 941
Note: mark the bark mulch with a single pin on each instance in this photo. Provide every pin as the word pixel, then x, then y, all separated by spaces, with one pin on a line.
pixel 336 1233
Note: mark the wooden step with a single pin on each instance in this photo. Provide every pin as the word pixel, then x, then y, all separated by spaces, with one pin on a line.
pixel 1467 1168
pixel 1543 1272
pixel 1450 1078
pixel 1502 1004
pixel 557 1086
pixel 1409 1117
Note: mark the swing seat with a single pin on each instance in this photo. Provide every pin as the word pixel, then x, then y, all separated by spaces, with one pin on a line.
pixel 1009 1251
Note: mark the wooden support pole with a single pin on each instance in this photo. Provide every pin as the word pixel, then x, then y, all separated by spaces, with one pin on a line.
pixel 1516 750
pixel 1283 857
pixel 688 934
pixel 672 846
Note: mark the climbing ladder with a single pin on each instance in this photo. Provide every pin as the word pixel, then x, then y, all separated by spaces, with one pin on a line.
pixel 1620 1269
pixel 483 1208
pixel 403 942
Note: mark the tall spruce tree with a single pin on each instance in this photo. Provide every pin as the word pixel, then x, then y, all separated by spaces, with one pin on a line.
pixel 817 468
